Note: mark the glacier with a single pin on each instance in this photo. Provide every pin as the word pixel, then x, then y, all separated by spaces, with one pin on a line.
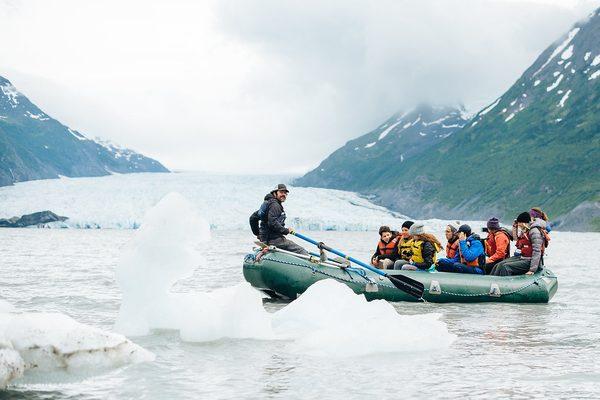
pixel 119 201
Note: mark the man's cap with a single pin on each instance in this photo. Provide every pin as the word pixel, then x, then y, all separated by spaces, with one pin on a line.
pixel 281 187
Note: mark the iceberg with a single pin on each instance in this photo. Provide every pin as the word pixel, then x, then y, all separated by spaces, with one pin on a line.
pixel 329 319
pixel 47 342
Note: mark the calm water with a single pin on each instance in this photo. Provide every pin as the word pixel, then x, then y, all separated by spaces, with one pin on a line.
pixel 520 351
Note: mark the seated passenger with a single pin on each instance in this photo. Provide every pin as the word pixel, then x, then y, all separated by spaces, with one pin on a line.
pixel 425 247
pixel 404 246
pixel 466 260
pixel 386 253
pixel 452 238
pixel 532 241
pixel 537 212
pixel 497 244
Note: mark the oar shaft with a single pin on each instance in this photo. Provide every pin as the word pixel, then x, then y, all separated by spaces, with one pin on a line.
pixel 339 253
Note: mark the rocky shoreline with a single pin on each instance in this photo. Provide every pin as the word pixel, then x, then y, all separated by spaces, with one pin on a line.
pixel 38 219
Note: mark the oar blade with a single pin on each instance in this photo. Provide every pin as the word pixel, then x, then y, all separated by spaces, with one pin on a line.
pixel 408 285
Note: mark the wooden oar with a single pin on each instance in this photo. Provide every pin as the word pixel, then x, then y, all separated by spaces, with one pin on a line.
pixel 404 283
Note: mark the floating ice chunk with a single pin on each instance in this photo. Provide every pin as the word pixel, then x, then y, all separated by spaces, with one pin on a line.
pixel 596 61
pixel 511 116
pixel 329 319
pixel 50 341
pixel 567 53
pixel 564 98
pixel 368 145
pixel 594 75
pixel 388 130
pixel 161 252
pixel 559 49
pixel 537 82
pixel 12 365
pixel 587 56
pixel 555 84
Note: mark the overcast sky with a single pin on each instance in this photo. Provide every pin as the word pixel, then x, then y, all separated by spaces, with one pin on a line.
pixel 256 86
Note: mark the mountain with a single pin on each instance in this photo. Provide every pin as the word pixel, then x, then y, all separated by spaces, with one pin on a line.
pixel 401 137
pixel 536 145
pixel 33 145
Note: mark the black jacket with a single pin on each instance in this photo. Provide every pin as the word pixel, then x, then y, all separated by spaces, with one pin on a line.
pixel 271 216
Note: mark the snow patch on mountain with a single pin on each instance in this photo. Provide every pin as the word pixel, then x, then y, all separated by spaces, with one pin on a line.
pixel 567 54
pixel 555 84
pixel 564 98
pixel 596 61
pixel 490 107
pixel 594 75
pixel 558 49
pixel 388 130
pixel 11 93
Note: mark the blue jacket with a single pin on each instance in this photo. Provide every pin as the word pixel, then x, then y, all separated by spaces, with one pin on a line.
pixel 470 249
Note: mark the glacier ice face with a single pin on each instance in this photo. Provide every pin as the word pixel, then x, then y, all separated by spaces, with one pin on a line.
pixel 120 201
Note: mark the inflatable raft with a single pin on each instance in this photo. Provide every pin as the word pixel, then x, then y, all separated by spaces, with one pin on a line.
pixel 283 275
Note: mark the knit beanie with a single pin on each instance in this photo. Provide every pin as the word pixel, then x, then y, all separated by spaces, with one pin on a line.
pixel 466 229
pixel 537 212
pixel 524 217
pixel 493 223
pixel 416 228
pixel 407 224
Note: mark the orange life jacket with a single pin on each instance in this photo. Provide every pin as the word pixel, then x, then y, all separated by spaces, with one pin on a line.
pixel 389 248
pixel 451 249
pixel 490 244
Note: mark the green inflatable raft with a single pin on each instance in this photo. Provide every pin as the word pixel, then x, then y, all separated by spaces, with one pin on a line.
pixel 283 275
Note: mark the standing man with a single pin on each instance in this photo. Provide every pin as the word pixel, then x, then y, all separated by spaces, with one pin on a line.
pixel 272 221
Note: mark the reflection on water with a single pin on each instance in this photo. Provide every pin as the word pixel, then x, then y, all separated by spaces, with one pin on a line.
pixel 501 350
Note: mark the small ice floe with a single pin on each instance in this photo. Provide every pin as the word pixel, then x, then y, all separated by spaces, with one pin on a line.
pixel 329 319
pixel 48 342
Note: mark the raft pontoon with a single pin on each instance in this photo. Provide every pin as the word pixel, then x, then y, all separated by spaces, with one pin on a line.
pixel 284 275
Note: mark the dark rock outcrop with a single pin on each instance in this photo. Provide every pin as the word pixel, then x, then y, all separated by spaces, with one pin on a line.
pixel 37 218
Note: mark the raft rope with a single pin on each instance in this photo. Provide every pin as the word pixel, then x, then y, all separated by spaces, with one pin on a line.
pixel 363 275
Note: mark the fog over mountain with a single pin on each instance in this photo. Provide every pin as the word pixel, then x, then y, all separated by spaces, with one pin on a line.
pixel 205 85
